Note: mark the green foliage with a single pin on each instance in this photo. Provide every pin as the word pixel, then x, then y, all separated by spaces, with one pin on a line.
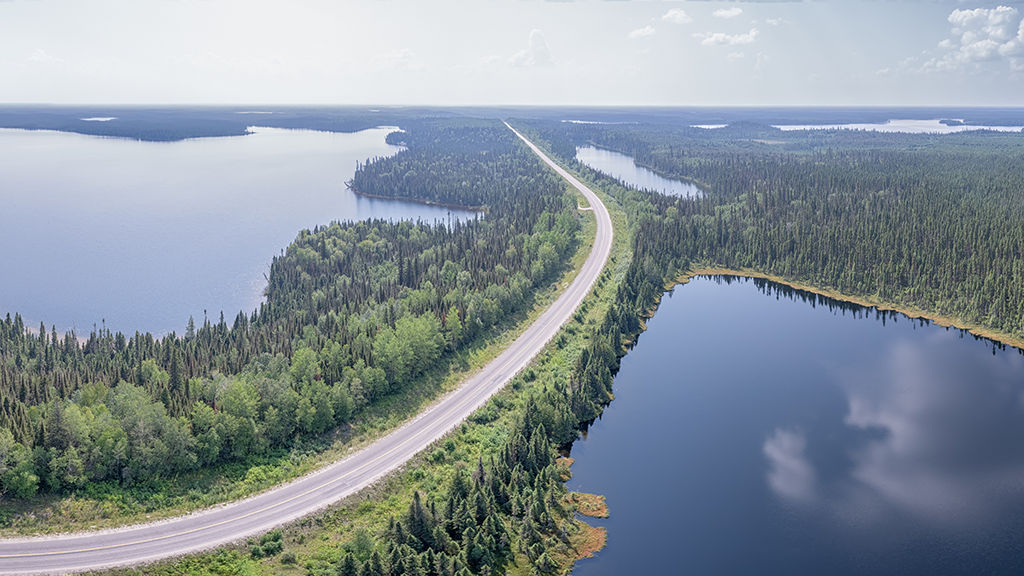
pixel 414 343
pixel 929 222
pixel 354 313
pixel 17 468
pixel 481 163
pixel 271 544
pixel 305 366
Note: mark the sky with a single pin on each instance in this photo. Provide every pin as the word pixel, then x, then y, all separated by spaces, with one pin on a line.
pixel 513 52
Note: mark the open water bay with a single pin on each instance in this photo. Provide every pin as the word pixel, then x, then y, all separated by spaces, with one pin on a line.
pixel 758 433
pixel 142 235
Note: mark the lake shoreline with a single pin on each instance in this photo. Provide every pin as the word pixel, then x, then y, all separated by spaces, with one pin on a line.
pixel 939 319
pixel 701 187
pixel 214 209
pixel 815 387
pixel 481 209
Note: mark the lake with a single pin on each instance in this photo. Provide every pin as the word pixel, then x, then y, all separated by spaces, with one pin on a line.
pixel 622 167
pixel 142 235
pixel 754 433
pixel 934 126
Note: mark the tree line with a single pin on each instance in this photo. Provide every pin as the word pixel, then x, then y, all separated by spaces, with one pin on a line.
pixel 930 222
pixel 354 312
pixel 513 505
pixel 477 166
pixel 665 234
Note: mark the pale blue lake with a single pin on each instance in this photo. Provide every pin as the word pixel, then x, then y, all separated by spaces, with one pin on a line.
pixel 145 234
pixel 625 169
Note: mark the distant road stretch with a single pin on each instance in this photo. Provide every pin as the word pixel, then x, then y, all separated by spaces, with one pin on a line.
pixel 232 522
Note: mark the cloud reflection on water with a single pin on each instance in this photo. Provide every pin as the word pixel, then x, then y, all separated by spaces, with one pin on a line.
pixel 935 435
pixel 791 474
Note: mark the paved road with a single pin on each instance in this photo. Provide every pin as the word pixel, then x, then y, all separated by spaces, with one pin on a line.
pixel 238 520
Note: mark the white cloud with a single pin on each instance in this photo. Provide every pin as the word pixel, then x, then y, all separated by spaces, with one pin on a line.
pixel 736 55
pixel 643 32
pixel 723 39
pixel 677 16
pixel 41 56
pixel 762 62
pixel 728 12
pixel 982 35
pixel 776 21
pixel 538 54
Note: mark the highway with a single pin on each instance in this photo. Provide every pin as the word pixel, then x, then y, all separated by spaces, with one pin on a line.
pixel 280 505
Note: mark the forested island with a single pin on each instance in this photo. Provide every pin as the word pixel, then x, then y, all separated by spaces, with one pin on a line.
pixel 358 315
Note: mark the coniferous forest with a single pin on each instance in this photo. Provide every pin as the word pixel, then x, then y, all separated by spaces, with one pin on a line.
pixel 356 312
pixel 927 222
pixel 353 313
pixel 825 192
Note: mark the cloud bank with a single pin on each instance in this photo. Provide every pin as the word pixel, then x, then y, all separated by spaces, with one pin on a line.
pixel 982 35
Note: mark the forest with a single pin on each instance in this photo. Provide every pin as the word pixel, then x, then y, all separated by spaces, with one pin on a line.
pixel 353 313
pixel 954 208
pixel 930 223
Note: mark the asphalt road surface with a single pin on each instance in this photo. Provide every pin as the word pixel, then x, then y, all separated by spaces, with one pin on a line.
pixel 238 520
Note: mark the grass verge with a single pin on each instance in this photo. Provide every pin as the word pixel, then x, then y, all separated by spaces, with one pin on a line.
pixel 314 545
pixel 107 505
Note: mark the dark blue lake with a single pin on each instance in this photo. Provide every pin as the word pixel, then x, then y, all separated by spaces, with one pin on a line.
pixel 755 433
pixel 143 235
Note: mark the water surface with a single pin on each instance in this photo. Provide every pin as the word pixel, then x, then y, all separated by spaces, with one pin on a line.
pixel 934 126
pixel 756 434
pixel 145 234
pixel 624 168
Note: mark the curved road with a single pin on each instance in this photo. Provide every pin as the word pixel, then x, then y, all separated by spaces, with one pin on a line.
pixel 231 522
